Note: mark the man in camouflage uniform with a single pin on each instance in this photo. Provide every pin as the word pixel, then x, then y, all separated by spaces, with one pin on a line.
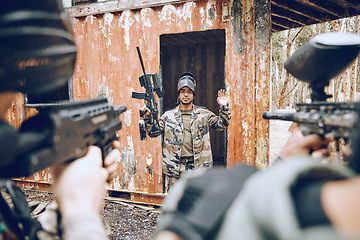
pixel 186 128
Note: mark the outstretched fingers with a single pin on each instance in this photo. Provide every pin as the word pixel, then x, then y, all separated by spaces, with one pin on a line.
pixel 221 93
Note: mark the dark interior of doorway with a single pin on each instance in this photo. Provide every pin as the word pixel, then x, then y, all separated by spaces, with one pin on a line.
pixel 203 54
pixel 63 93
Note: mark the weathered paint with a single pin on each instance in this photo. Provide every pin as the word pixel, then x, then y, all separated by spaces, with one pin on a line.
pixel 262 77
pixel 240 59
pixel 107 64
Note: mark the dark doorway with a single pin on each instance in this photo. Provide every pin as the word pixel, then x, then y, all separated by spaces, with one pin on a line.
pixel 63 93
pixel 203 54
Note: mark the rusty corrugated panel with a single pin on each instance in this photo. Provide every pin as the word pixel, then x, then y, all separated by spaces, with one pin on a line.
pixel 240 73
pixel 117 6
pixel 16 113
pixel 33 184
pixel 262 15
pixel 108 59
pixel 247 61
pixel 107 63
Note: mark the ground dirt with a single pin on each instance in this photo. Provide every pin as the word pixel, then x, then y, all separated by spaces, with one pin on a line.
pixel 125 220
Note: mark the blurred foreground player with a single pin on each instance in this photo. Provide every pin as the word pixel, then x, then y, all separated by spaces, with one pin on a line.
pixel 37 55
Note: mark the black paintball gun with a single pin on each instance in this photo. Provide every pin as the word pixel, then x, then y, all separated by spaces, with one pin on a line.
pixel 149 97
pixel 317 62
pixel 60 132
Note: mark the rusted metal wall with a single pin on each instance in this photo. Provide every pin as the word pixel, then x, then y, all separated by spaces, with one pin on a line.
pixel 247 75
pixel 262 12
pixel 107 35
pixel 15 116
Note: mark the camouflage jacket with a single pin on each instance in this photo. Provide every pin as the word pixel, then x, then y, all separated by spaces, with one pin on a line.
pixel 202 120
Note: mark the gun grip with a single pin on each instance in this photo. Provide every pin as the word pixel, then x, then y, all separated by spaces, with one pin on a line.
pixel 142 129
pixel 105 151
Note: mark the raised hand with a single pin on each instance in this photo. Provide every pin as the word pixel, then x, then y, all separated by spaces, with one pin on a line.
pixel 222 99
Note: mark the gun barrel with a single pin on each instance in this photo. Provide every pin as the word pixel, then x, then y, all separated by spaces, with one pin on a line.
pixel 120 108
pixel 141 61
pixel 278 116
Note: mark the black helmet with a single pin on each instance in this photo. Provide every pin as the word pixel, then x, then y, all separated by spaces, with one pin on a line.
pixel 187 79
pixel 37 47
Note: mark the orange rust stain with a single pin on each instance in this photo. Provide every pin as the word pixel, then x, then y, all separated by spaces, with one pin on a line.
pixel 240 75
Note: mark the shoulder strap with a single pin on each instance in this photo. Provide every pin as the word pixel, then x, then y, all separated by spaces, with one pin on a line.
pixel 18 217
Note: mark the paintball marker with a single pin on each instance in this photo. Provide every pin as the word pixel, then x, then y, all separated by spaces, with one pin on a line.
pixel 149 97
pixel 60 132
pixel 316 62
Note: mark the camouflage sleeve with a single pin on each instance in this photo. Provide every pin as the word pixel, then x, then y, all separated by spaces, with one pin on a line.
pixel 221 122
pixel 149 123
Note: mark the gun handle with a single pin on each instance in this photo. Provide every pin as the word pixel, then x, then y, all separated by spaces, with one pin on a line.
pixel 106 150
pixel 142 130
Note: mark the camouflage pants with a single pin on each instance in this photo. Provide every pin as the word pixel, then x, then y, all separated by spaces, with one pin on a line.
pixel 186 164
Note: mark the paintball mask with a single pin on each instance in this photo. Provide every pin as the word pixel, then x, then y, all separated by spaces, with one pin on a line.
pixel 187 80
pixel 37 47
